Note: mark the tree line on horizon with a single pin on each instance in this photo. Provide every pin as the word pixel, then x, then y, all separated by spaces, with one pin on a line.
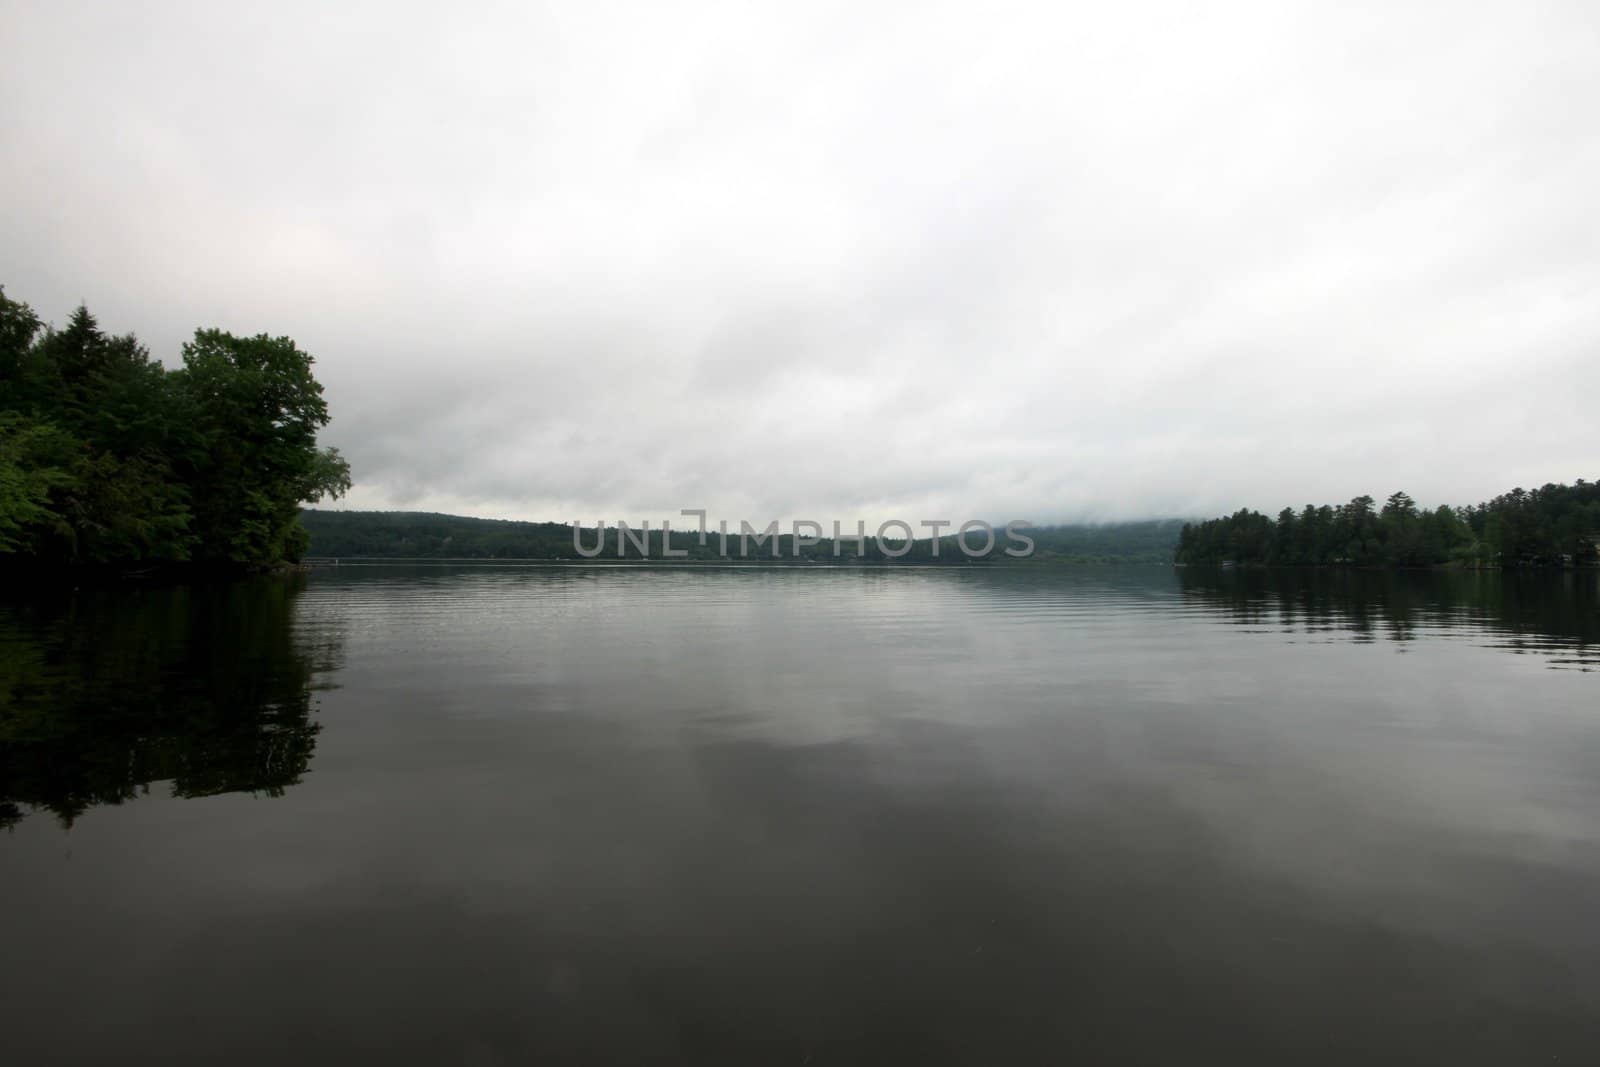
pixel 108 457
pixel 427 535
pixel 1553 525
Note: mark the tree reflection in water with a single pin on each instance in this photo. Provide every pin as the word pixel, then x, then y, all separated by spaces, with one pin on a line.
pixel 1553 613
pixel 106 691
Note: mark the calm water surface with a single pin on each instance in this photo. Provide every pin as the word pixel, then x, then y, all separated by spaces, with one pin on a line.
pixel 588 814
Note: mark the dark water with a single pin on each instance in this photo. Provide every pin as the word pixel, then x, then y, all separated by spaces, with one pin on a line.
pixel 493 816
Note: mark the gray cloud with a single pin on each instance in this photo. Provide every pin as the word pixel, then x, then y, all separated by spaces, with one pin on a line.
pixel 847 260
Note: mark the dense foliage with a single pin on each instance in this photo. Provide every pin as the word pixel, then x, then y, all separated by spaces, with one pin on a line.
pixel 1553 525
pixel 108 457
pixel 418 535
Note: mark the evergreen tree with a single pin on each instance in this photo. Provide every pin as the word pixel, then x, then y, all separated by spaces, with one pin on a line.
pixel 1551 525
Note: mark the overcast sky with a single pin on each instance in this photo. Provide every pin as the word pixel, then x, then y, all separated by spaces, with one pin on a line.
pixel 847 261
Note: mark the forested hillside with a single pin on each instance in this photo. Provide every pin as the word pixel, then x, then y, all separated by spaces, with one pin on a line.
pixel 1552 525
pixel 422 535
pixel 107 457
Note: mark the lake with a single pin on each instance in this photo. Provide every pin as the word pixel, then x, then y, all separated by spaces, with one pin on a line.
pixel 503 815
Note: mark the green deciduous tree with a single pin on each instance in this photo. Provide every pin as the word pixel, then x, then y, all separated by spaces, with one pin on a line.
pixel 255 410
